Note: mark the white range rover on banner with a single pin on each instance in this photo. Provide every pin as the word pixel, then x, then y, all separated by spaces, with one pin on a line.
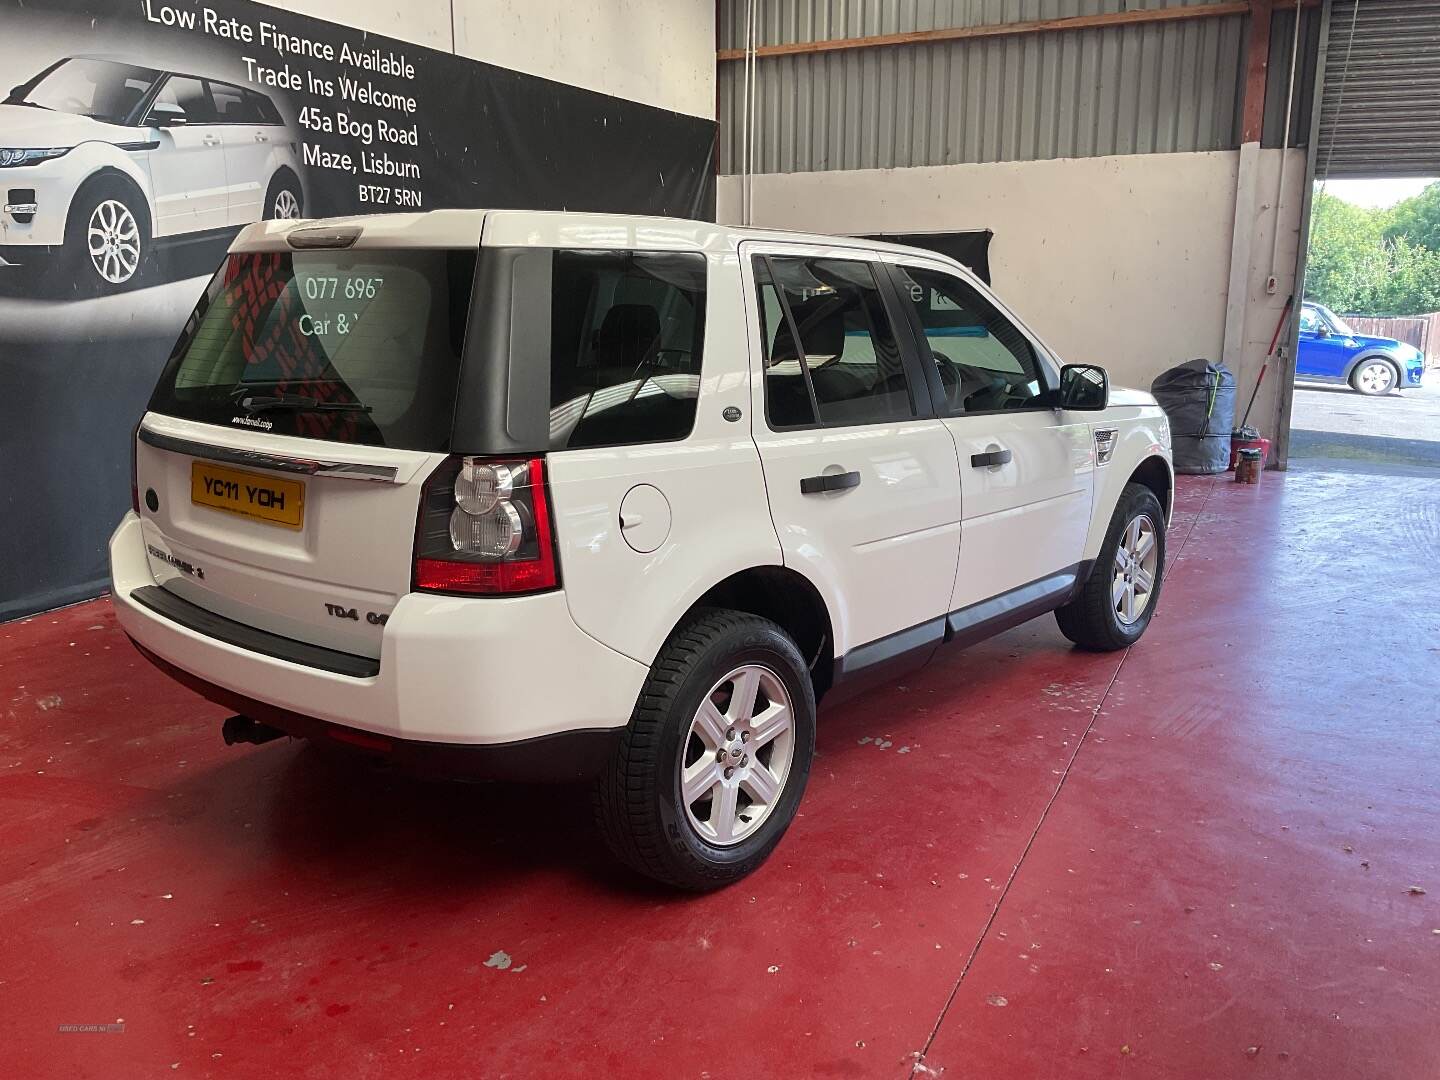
pixel 581 496
pixel 101 158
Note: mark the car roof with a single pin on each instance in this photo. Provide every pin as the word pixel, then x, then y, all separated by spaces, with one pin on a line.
pixel 159 69
pixel 111 58
pixel 555 228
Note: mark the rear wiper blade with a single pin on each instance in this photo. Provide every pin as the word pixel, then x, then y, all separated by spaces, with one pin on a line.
pixel 299 403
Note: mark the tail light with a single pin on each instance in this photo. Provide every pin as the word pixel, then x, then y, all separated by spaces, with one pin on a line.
pixel 485 528
pixel 135 470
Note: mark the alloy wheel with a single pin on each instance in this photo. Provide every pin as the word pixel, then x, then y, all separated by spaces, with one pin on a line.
pixel 737 755
pixel 1136 563
pixel 113 240
pixel 1376 378
pixel 287 206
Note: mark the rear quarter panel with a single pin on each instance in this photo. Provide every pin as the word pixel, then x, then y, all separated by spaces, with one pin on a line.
pixel 712 484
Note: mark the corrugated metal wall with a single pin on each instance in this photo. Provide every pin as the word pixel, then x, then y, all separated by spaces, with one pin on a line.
pixel 1282 41
pixel 1076 93
pixel 1380 114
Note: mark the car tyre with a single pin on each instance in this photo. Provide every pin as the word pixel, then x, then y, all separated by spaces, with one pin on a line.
pixel 680 802
pixel 1374 378
pixel 1118 599
pixel 284 200
pixel 107 239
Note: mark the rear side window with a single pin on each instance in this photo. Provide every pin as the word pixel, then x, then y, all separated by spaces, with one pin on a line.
pixel 626 334
pixel 830 353
pixel 346 346
pixel 263 108
pixel 235 106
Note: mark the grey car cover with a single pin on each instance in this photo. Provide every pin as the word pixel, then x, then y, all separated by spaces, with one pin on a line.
pixel 1199 399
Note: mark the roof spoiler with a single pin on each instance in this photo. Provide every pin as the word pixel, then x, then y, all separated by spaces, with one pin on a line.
pixel 323 236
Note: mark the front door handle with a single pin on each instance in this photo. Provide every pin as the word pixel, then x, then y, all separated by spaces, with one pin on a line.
pixel 211 140
pixel 817 485
pixel 260 136
pixel 989 458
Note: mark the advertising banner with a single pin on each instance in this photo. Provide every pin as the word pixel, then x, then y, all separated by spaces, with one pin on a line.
pixel 136 139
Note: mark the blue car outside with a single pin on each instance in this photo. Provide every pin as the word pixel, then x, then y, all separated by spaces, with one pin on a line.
pixel 1331 351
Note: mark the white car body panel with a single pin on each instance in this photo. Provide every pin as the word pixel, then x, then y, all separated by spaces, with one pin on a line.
pixel 435 229
pixel 24 126
pixel 354 547
pixel 252 156
pixel 1023 520
pixel 96 146
pixel 880 552
pixel 1144 436
pixel 712 491
pixel 455 671
pixel 191 190
pixel 1027 519
pixel 883 552
pixel 927 536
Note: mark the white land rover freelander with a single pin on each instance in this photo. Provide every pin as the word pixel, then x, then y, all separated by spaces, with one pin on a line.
pixel 554 495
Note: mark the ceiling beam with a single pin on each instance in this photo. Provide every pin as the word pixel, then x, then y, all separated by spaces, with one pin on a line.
pixel 1257 63
pixel 1034 26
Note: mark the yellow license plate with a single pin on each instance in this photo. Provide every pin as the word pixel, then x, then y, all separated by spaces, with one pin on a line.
pixel 263 498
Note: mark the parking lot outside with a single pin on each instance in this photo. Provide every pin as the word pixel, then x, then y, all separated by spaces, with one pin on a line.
pixel 1335 423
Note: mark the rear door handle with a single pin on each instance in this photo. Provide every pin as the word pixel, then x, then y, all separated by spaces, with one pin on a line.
pixel 817 485
pixel 989 458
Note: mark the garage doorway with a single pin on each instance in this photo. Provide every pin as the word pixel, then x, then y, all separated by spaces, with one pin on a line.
pixel 1367 363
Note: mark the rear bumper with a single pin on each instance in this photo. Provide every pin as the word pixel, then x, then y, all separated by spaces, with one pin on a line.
pixel 562 757
pixel 453 671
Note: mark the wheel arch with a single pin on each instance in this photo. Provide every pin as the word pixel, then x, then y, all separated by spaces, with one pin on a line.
pixel 1375 354
pixel 789 599
pixel 284 172
pixel 111 172
pixel 1154 472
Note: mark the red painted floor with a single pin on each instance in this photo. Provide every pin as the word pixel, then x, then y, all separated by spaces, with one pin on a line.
pixel 1192 860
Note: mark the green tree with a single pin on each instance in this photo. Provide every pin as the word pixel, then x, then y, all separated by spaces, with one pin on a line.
pixel 1412 285
pixel 1375 262
pixel 1347 266
pixel 1417 219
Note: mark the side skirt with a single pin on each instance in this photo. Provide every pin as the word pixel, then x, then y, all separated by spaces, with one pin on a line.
pixel 882 661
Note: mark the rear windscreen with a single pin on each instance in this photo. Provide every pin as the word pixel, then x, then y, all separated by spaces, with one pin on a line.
pixel 346 346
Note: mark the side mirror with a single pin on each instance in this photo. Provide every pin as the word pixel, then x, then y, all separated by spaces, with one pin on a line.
pixel 167 114
pixel 1083 387
pixel 1322 330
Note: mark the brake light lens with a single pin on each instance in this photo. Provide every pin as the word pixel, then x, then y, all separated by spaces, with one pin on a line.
pixel 135 469
pixel 485 529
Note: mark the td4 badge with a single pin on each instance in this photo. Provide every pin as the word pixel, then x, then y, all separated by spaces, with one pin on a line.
pixel 374 618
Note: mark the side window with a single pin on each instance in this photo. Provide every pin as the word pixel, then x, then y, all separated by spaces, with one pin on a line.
pixel 829 345
pixel 191 96
pixel 234 106
pixel 626 333
pixel 1309 320
pixel 985 363
pixel 263 109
